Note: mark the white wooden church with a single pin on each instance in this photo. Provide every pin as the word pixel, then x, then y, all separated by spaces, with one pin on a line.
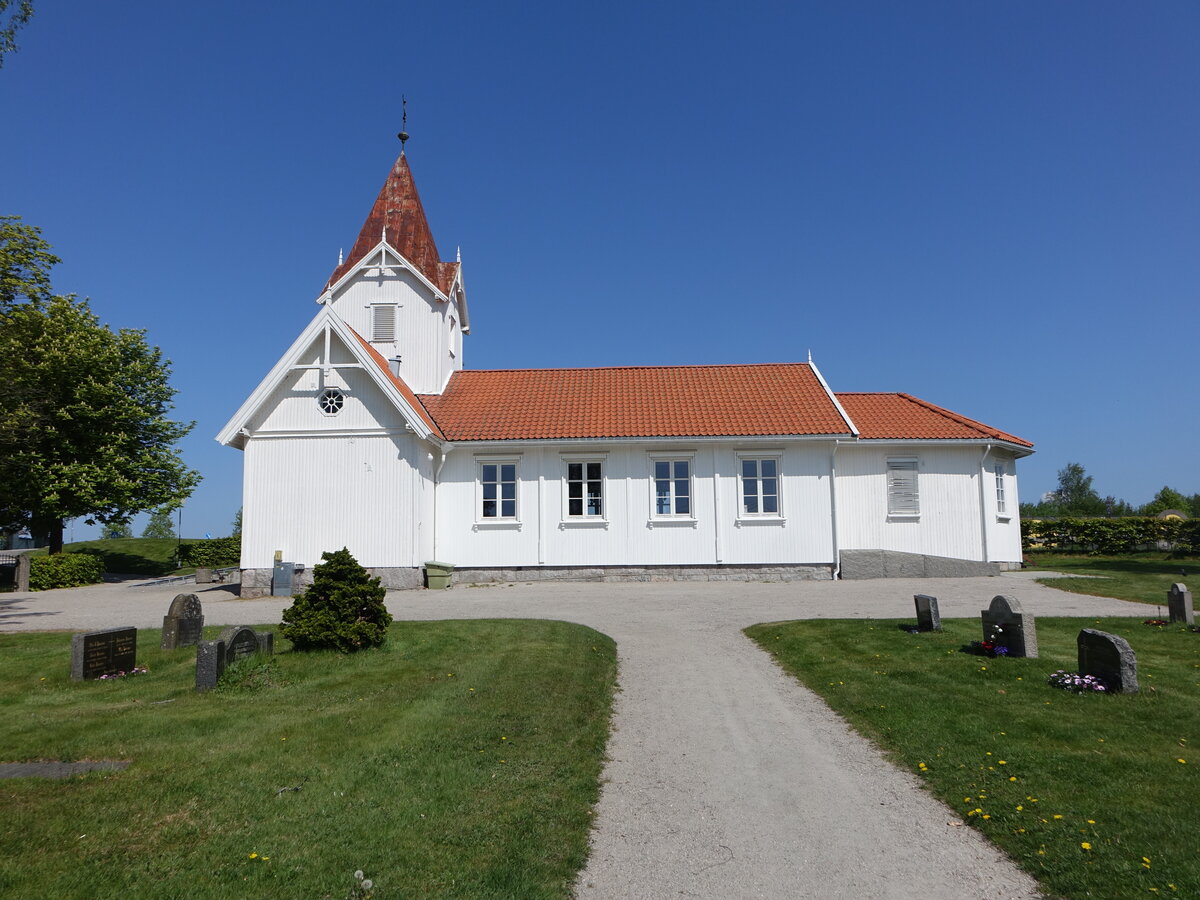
pixel 735 471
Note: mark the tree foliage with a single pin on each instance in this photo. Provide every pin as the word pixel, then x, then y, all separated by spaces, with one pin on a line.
pixel 12 19
pixel 342 610
pixel 25 262
pixel 1166 498
pixel 113 530
pixel 83 409
pixel 161 524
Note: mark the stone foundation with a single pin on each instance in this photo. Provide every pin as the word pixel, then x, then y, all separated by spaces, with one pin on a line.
pixel 482 575
pixel 257 582
pixel 858 564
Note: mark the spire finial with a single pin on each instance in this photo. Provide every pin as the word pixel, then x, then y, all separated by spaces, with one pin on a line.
pixel 810 357
pixel 403 135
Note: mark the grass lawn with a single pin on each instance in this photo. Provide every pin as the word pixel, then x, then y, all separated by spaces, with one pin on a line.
pixel 1040 771
pixel 1144 577
pixel 460 760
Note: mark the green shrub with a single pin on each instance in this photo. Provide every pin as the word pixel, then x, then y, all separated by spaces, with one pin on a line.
pixel 1111 536
pixel 212 553
pixel 64 570
pixel 342 610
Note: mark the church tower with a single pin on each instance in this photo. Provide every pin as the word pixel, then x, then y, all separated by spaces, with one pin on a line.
pixel 396 291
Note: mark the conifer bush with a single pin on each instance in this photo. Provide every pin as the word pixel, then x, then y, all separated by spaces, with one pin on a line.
pixel 343 609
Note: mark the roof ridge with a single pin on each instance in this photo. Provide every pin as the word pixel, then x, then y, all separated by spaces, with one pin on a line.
pixel 627 368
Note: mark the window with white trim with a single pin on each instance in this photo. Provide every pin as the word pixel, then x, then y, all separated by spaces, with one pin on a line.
pixel 383 323
pixel 497 490
pixel 1001 503
pixel 672 487
pixel 760 486
pixel 585 489
pixel 902 496
pixel 331 401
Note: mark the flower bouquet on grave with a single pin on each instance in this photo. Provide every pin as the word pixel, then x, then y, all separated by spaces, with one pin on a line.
pixel 136 670
pixel 992 646
pixel 1076 683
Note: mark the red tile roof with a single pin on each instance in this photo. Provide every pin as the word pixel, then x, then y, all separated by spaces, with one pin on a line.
pixel 650 401
pixel 398 208
pixel 403 388
pixel 904 417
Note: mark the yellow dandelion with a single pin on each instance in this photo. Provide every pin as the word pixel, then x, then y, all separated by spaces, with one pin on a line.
pixel 986 816
pixel 1086 846
pixel 1012 777
pixel 1183 761
pixel 1057 816
pixel 254 856
pixel 1002 762
pixel 1020 808
pixel 1091 821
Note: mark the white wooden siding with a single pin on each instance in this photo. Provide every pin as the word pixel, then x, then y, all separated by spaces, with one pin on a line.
pixel 307 494
pixel 629 534
pixel 949 523
pixel 422 325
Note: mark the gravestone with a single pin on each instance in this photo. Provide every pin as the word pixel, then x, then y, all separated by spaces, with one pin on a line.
pixel 1179 604
pixel 928 618
pixel 234 643
pixel 1108 657
pixel 203 575
pixel 183 624
pixel 1005 624
pixel 108 652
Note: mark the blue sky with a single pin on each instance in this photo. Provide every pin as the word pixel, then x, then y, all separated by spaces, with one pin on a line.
pixel 993 206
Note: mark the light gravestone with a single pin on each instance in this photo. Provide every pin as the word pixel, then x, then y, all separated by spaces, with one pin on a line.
pixel 183 624
pixel 98 653
pixel 1005 624
pixel 928 618
pixel 1109 658
pixel 235 642
pixel 1179 604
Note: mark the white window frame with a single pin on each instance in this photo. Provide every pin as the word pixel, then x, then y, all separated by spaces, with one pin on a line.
pixel 450 335
pixel 584 460
pixel 903 489
pixel 331 400
pixel 480 490
pixel 757 457
pixel 672 459
pixel 999 470
pixel 383 331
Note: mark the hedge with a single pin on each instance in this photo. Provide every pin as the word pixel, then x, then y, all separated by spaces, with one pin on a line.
pixel 1123 535
pixel 64 570
pixel 213 553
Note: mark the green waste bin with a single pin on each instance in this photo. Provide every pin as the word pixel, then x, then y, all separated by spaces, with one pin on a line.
pixel 437 574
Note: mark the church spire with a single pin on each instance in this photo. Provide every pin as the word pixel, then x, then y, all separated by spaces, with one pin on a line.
pixel 399 217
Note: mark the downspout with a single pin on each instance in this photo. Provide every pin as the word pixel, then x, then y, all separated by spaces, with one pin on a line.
pixel 837 555
pixel 437 473
pixel 983 523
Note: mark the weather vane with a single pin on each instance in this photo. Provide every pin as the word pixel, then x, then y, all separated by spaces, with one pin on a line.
pixel 403 135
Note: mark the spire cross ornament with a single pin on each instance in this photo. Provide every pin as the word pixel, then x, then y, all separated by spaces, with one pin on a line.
pixel 403 135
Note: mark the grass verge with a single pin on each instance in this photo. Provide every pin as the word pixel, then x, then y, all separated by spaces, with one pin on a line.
pixel 1093 795
pixel 1144 578
pixel 130 556
pixel 460 760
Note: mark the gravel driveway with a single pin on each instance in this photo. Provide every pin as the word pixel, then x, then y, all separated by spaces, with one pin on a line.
pixel 726 779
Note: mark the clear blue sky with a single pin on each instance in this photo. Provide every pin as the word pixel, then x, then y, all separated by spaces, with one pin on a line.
pixel 992 206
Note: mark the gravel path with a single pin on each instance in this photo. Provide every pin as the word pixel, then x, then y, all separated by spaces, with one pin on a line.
pixel 725 778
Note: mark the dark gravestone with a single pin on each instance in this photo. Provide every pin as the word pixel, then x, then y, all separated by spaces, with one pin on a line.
pixel 928 618
pixel 210 663
pixel 184 622
pixel 1179 604
pixel 108 652
pixel 1004 624
pixel 1109 658
pixel 233 644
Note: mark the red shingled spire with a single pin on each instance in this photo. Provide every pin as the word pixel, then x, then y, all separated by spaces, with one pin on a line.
pixel 398 209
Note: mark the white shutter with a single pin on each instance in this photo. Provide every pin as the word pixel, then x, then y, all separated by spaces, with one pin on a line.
pixel 383 323
pixel 903 499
